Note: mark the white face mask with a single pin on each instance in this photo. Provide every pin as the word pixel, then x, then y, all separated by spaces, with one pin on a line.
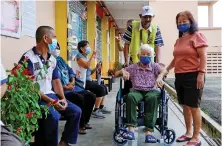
pixel 55 52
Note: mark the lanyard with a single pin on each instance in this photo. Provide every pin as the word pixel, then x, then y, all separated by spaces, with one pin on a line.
pixel 141 37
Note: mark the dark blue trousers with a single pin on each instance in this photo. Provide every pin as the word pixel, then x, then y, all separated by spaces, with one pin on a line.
pixel 48 130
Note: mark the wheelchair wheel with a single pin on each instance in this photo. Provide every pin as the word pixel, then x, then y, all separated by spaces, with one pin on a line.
pixel 118 140
pixel 169 136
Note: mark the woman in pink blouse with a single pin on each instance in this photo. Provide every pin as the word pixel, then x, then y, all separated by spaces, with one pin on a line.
pixel 189 62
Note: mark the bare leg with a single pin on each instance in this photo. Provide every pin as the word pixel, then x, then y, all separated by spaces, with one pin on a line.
pixel 197 123
pixel 147 132
pixel 62 143
pixel 102 101
pixel 131 128
pixel 188 120
pixel 98 102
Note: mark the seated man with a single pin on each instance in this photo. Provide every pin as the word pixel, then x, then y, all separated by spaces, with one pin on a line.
pixel 44 66
pixel 74 92
pixel 145 77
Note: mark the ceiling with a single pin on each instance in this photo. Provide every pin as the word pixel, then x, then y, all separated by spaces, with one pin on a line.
pixel 125 10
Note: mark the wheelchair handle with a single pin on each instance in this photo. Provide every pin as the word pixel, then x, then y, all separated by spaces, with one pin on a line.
pixel 163 88
pixel 121 83
pixel 121 79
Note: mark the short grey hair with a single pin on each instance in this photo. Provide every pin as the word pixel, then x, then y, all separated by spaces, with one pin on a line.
pixel 147 48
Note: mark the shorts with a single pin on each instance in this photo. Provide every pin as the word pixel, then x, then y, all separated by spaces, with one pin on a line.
pixel 95 88
pixel 186 88
pixel 105 88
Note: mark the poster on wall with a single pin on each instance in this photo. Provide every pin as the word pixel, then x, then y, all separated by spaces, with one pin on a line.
pixel 11 18
pixel 76 29
pixel 74 34
pixel 29 18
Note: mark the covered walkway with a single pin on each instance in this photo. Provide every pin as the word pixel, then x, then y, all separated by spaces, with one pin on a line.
pixel 101 134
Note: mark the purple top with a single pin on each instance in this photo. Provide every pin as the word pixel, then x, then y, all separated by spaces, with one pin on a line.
pixel 143 79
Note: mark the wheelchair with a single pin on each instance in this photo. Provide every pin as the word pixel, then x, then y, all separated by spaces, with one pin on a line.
pixel 168 135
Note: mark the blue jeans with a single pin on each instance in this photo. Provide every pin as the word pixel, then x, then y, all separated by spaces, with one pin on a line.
pixel 48 127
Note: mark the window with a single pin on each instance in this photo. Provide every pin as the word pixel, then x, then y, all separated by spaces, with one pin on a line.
pixel 217 11
pixel 214 66
pixel 203 16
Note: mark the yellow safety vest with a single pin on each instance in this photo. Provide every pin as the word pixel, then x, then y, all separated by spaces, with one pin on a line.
pixel 141 37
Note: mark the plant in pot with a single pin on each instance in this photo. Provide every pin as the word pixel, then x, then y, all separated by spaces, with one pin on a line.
pixel 118 66
pixel 111 72
pixel 20 110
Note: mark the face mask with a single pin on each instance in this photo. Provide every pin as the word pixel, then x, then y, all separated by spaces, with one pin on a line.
pixel 53 45
pixel 55 52
pixel 145 60
pixel 88 50
pixel 183 27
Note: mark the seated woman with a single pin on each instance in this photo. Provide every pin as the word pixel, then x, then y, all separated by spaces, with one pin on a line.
pixel 99 75
pixel 146 77
pixel 74 92
pixel 97 88
pixel 81 64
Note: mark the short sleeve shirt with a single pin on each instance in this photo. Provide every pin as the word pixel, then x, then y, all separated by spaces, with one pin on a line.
pixel 158 40
pixel 36 64
pixel 143 79
pixel 4 77
pixel 185 52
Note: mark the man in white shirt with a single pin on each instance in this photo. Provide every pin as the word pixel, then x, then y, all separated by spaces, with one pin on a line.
pixel 44 66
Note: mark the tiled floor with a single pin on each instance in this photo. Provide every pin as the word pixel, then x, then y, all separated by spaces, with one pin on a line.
pixel 101 134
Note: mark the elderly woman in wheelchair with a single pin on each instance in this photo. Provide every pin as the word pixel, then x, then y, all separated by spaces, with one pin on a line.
pixel 146 77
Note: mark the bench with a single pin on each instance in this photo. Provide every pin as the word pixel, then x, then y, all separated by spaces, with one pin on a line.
pixel 95 80
pixel 109 79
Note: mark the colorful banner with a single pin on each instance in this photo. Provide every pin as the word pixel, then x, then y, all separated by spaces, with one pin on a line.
pixel 74 34
pixel 76 26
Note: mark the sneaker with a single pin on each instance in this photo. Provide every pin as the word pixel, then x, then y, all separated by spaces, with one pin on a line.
pixel 98 114
pixel 105 111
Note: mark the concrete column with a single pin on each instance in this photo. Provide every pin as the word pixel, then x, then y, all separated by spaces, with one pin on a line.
pixel 210 15
pixel 105 44
pixel 112 46
pixel 91 27
pixel 116 52
pixel 61 26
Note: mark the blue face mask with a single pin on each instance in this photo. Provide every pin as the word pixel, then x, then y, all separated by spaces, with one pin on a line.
pixel 88 50
pixel 145 60
pixel 183 27
pixel 53 45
